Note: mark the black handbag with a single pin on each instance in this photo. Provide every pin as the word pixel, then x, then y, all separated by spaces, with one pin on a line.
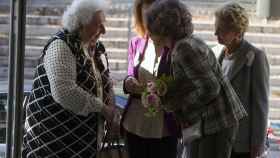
pixel 112 147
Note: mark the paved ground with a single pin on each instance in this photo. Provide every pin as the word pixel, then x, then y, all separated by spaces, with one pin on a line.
pixel 274 154
pixel 2 150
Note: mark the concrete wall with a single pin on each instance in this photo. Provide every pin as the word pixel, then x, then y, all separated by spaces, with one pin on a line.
pixel 275 10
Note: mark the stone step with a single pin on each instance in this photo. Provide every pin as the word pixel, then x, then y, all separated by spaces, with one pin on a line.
pixel 28 72
pixel 121 43
pixel 57 8
pixel 115 64
pixel 42 40
pixel 28 62
pixel 256 27
pixel 269 49
pixel 34 19
pixel 274 102
pixel 33 52
pixel 275 81
pixel 56 20
pixel 275 91
pixel 209 6
pixel 275 70
pixel 31 62
pixel 40 2
pixel 274 114
pixel 47 30
pixel 117 75
pixel 272 49
pixel 112 32
pixel 4 85
pixel 65 2
pixel 54 7
pixel 274 60
pixel 118 22
pixel 206 10
pixel 123 22
pixel 116 52
pixel 264 38
pixel 274 108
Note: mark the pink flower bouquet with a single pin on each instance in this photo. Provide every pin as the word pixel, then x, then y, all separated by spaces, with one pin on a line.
pixel 151 96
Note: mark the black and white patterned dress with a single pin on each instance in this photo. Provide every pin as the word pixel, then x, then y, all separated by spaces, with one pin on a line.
pixel 62 111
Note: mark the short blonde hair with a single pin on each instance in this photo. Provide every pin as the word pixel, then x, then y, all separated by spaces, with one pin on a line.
pixel 233 16
pixel 80 13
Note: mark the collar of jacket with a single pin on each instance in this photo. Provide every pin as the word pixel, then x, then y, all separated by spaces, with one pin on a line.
pixel 243 56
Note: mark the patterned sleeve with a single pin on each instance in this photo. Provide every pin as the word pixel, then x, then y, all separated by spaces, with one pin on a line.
pixel 60 65
pixel 197 83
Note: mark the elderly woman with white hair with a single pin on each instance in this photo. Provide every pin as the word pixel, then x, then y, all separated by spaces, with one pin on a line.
pixel 71 88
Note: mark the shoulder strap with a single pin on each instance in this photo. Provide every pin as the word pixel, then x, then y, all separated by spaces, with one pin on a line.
pixel 142 55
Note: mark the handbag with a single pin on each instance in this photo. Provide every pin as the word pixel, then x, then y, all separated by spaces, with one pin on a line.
pixel 191 133
pixel 183 150
pixel 112 147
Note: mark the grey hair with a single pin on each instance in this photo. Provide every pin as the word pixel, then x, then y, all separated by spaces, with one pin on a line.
pixel 81 12
pixel 169 18
pixel 234 16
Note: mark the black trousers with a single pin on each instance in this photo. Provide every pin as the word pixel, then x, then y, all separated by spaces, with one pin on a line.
pixel 218 145
pixel 240 155
pixel 139 147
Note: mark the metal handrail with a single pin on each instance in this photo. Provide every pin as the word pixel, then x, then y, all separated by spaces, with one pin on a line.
pixel 11 81
pixel 19 78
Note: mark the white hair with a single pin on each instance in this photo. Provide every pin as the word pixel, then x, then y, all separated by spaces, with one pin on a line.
pixel 81 12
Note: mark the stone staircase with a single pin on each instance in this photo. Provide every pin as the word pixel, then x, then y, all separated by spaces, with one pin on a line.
pixel 43 20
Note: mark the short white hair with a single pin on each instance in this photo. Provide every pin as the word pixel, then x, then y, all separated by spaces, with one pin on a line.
pixel 81 12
